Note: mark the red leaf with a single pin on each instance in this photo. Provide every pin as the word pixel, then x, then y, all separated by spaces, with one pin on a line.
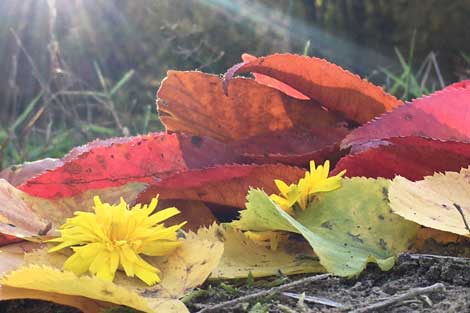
pixel 444 115
pixel 274 83
pixel 118 161
pixel 176 166
pixel 461 84
pixel 223 184
pixel 292 147
pixel 327 83
pixel 7 239
pixel 410 157
pixel 262 124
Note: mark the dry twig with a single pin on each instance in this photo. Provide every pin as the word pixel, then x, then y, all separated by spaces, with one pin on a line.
pixel 438 287
pixel 417 256
pixel 264 293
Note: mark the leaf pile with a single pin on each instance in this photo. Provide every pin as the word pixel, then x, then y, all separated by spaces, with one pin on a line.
pixel 226 137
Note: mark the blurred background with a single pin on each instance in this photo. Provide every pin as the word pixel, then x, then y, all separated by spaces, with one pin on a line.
pixel 76 70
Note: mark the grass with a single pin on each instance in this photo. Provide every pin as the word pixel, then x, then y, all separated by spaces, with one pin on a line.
pixel 410 82
pixel 55 121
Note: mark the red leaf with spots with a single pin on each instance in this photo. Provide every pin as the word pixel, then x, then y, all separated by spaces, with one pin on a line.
pixel 410 157
pixel 176 166
pixel 223 184
pixel 444 115
pixel 324 82
pixel 115 162
pixel 292 147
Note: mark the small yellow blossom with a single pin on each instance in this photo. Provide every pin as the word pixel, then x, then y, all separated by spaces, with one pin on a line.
pixel 315 181
pixel 289 195
pixel 270 237
pixel 114 236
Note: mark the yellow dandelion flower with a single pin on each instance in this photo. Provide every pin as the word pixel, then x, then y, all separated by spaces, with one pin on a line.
pixel 289 195
pixel 114 236
pixel 302 193
pixel 272 238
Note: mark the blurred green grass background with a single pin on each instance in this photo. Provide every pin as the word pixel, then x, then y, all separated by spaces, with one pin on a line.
pixel 76 70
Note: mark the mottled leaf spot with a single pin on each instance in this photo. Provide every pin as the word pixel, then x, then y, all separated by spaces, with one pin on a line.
pixel 382 244
pixel 327 225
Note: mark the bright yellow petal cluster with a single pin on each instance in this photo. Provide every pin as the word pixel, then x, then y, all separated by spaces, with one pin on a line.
pixel 269 237
pixel 315 181
pixel 114 236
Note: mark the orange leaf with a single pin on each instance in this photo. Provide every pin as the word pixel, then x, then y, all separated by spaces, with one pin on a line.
pixel 274 83
pixel 261 123
pixel 327 83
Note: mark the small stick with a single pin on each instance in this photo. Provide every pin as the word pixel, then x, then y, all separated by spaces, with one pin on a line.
pixel 419 256
pixel 459 208
pixel 264 293
pixel 438 287
pixel 314 299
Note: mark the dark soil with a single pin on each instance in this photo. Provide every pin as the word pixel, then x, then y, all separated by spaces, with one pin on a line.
pixel 372 286
pixel 34 306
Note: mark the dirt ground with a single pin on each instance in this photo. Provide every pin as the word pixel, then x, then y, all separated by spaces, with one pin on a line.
pixel 374 286
pixel 412 271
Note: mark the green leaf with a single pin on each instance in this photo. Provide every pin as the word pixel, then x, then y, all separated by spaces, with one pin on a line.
pixel 347 228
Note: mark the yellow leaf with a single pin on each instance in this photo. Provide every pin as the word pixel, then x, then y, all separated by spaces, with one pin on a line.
pixel 11 257
pixel 243 255
pixel 188 267
pixel 81 303
pixel 441 201
pixel 50 279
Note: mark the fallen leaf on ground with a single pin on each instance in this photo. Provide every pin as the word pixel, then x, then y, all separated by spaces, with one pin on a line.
pixel 292 146
pixel 327 83
pixel 188 267
pixel 460 84
pixel 194 103
pixel 12 257
pixel 115 162
pixel 410 157
pixel 274 83
pixel 258 121
pixel 347 227
pixel 18 174
pixel 440 201
pixel 243 256
pixel 224 184
pixel 195 213
pixel 443 115
pixel 441 237
pixel 26 216
pixel 6 239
